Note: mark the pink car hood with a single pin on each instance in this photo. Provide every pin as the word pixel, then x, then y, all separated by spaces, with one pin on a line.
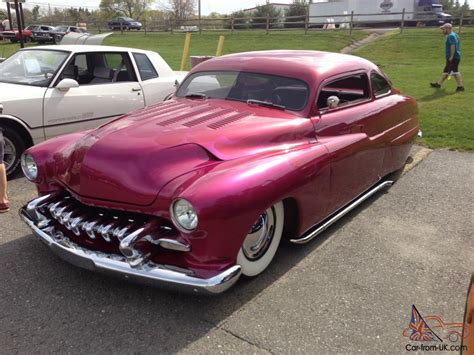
pixel 130 159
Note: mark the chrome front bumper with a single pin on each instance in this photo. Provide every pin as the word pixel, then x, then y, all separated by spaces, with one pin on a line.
pixel 149 273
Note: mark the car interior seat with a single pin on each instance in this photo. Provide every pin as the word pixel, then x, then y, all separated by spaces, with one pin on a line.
pixel 102 75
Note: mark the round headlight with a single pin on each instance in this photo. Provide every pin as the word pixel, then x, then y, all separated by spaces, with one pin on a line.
pixel 29 167
pixel 184 215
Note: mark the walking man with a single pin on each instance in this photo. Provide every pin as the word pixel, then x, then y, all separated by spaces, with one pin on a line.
pixel 453 57
pixel 3 179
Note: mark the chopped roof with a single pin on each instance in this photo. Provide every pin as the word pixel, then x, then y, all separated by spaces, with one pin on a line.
pixel 306 65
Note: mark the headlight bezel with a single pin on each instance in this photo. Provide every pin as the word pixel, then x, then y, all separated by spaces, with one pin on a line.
pixel 176 218
pixel 29 167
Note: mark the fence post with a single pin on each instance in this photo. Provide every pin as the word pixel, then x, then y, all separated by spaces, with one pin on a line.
pixel 268 22
pixel 232 25
pixel 98 28
pixel 144 25
pixel 121 27
pixel 306 22
pixel 351 25
pixel 461 21
pixel 402 25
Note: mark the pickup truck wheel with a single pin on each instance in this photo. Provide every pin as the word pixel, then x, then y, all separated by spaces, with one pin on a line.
pixel 13 148
pixel 261 243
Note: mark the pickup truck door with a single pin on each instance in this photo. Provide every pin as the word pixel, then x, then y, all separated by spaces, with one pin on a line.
pixel 108 87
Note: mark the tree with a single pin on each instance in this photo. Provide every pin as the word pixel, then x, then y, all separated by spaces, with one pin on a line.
pixel 35 13
pixel 180 10
pixel 262 12
pixel 241 20
pixel 297 8
pixel 129 8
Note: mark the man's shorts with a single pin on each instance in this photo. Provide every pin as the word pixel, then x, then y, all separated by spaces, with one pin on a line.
pixel 452 67
pixel 1 147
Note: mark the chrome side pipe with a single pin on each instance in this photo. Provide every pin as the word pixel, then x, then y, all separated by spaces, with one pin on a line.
pixel 308 236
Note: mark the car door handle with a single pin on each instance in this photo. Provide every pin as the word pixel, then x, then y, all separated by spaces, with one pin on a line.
pixel 136 89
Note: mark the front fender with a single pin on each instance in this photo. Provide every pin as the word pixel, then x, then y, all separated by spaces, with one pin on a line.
pixel 51 153
pixel 229 197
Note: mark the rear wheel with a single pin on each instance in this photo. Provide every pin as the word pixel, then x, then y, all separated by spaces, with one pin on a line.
pixel 261 243
pixel 13 148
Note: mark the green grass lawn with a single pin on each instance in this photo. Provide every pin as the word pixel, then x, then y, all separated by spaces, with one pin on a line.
pixel 415 58
pixel 411 60
pixel 170 46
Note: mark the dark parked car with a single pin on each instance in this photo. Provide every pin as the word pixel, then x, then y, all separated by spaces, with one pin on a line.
pixel 60 31
pixel 125 23
pixel 41 34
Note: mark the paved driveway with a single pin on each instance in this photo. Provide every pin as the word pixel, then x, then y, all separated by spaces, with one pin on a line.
pixel 350 290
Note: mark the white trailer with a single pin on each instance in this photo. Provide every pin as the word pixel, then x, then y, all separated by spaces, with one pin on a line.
pixel 376 11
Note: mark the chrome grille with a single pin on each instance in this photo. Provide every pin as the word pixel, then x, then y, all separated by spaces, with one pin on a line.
pixel 90 221
pixel 132 235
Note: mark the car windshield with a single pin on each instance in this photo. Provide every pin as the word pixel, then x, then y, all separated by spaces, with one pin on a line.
pixel 60 28
pixel 253 88
pixel 127 19
pixel 32 67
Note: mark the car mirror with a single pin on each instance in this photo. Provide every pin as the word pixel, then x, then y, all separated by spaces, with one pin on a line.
pixel 66 84
pixel 333 102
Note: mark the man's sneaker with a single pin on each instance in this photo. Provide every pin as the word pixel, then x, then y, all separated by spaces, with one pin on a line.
pixel 435 85
pixel 460 88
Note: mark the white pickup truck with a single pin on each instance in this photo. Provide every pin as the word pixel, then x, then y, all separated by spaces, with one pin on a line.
pixel 52 90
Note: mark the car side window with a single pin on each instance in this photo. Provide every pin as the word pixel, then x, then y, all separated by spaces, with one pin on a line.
pixel 145 67
pixel 344 91
pixel 99 68
pixel 120 66
pixel 380 86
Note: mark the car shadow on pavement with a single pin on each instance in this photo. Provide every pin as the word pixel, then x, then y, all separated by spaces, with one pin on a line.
pixel 48 305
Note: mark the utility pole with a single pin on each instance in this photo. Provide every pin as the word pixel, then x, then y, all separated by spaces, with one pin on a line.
pixel 10 22
pixel 20 27
pixel 199 15
pixel 22 15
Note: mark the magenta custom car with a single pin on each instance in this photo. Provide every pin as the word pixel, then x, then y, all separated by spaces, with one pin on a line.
pixel 200 189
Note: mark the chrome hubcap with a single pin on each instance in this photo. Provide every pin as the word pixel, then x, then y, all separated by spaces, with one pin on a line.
pixel 260 237
pixel 9 153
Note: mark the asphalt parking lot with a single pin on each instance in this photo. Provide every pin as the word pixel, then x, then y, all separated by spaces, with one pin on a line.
pixel 349 291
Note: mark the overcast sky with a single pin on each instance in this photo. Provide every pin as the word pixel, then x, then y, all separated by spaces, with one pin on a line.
pixel 208 6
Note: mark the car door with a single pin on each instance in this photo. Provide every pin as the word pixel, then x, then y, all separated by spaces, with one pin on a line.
pixel 349 129
pixel 107 88
pixel 156 87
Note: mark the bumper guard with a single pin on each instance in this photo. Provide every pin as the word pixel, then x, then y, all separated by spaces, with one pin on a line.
pixel 149 273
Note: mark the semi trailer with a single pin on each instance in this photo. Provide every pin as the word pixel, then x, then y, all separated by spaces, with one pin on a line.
pixel 375 12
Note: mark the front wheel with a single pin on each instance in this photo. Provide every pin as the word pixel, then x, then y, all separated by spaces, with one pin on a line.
pixel 13 148
pixel 261 243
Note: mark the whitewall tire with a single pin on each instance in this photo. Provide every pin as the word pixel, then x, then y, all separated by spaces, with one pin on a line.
pixel 261 244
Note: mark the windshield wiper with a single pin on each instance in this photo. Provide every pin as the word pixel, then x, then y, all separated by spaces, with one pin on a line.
pixel 195 95
pixel 265 103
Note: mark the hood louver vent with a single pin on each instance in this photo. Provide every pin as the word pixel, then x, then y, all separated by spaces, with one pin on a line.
pixel 228 120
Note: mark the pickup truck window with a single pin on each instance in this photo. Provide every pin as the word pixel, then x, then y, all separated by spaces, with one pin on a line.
pixel 145 67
